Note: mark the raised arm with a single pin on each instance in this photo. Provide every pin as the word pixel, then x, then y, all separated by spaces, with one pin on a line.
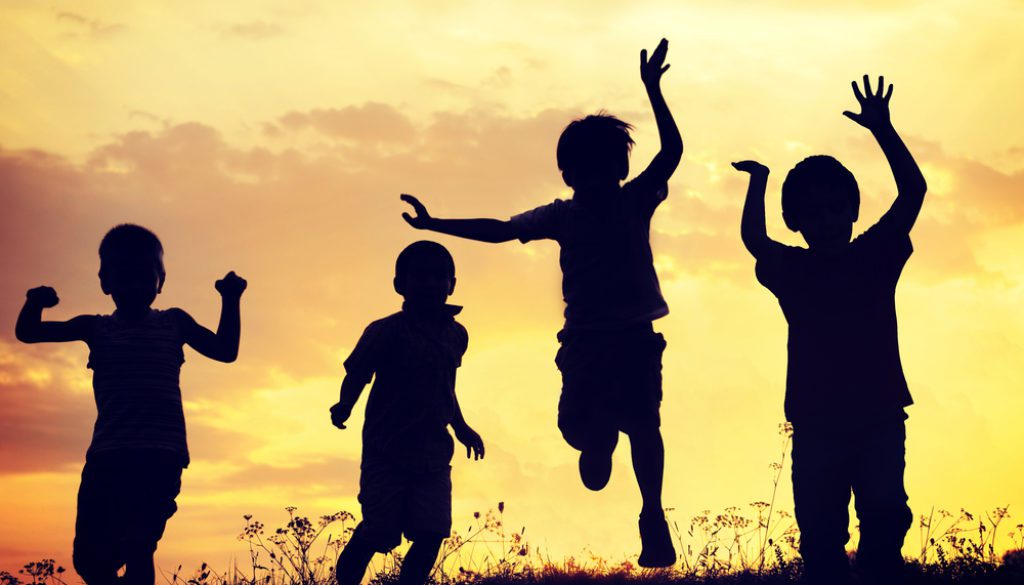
pixel 31 328
pixel 752 228
pixel 223 345
pixel 667 159
pixel 910 183
pixel 482 230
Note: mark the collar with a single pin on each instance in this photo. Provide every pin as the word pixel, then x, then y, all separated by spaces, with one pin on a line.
pixel 446 310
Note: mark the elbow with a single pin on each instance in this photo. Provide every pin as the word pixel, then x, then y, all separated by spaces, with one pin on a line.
pixel 24 336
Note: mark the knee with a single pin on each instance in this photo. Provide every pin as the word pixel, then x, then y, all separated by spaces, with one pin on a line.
pixel 93 568
pixel 887 514
pixel 376 538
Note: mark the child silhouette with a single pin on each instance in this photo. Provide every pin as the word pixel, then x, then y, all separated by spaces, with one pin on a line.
pixel 133 467
pixel 405 485
pixel 610 355
pixel 845 388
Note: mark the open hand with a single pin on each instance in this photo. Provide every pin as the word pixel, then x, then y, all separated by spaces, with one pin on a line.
pixel 340 414
pixel 474 444
pixel 231 286
pixel 44 296
pixel 753 167
pixel 652 69
pixel 874 107
pixel 422 217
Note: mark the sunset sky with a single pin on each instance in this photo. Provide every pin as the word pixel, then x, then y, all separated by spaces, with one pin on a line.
pixel 273 138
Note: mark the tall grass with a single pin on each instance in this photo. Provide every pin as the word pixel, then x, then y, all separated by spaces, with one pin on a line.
pixel 754 544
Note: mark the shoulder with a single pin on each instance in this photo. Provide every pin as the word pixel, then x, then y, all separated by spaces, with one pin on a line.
pixel 384 326
pixel 883 235
pixel 776 263
pixel 460 335
pixel 177 315
pixel 646 190
pixel 84 326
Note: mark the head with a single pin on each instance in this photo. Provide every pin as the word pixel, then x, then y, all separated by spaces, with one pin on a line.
pixel 821 200
pixel 131 267
pixel 593 152
pixel 425 273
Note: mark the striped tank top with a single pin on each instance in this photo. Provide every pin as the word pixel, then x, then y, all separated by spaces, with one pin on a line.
pixel 135 379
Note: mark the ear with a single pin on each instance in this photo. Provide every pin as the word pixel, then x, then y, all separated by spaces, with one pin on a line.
pixel 451 289
pixel 854 215
pixel 567 178
pixel 398 286
pixel 103 285
pixel 160 285
pixel 624 168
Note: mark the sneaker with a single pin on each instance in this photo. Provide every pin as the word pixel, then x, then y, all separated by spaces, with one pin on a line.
pixel 596 465
pixel 656 541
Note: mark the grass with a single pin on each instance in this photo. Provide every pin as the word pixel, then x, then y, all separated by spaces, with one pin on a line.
pixel 753 545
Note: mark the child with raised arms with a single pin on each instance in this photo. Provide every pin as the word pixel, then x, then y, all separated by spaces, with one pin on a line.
pixel 133 466
pixel 610 355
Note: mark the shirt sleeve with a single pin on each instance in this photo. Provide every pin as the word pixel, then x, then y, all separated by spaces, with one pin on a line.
pixel 774 270
pixel 461 343
pixel 887 250
pixel 648 193
pixel 541 223
pixel 365 359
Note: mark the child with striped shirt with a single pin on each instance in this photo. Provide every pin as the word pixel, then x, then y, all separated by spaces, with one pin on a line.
pixel 133 466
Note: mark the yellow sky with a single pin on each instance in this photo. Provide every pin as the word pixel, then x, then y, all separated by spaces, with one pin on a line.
pixel 273 139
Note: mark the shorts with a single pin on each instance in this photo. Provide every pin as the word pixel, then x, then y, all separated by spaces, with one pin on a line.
pixel 611 382
pixel 124 502
pixel 397 500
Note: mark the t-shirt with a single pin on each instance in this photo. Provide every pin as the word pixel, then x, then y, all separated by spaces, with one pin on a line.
pixel 608 276
pixel 412 400
pixel 844 357
pixel 136 366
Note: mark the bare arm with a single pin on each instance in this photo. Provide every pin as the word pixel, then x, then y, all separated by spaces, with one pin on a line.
pixel 351 388
pixel 667 159
pixel 223 345
pixel 752 227
pixel 910 183
pixel 466 435
pixel 482 230
pixel 31 328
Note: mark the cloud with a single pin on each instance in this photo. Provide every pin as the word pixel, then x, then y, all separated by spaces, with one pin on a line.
pixel 311 218
pixel 371 123
pixel 89 28
pixel 256 30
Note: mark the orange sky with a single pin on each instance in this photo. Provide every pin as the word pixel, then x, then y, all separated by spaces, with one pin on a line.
pixel 274 139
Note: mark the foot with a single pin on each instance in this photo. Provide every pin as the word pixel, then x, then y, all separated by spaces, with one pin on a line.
pixel 596 466
pixel 656 540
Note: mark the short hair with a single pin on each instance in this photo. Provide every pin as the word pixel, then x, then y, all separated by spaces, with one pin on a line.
pixel 423 252
pixel 128 243
pixel 599 137
pixel 811 175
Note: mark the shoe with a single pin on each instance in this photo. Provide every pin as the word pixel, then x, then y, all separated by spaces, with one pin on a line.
pixel 596 465
pixel 657 548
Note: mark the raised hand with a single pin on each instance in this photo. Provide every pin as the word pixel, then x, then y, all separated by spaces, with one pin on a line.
pixel 422 217
pixel 874 107
pixel 472 441
pixel 44 296
pixel 754 168
pixel 231 286
pixel 652 69
pixel 340 414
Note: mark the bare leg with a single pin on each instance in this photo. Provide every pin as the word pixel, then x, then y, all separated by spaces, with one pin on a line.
pixel 419 561
pixel 139 570
pixel 354 559
pixel 648 452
